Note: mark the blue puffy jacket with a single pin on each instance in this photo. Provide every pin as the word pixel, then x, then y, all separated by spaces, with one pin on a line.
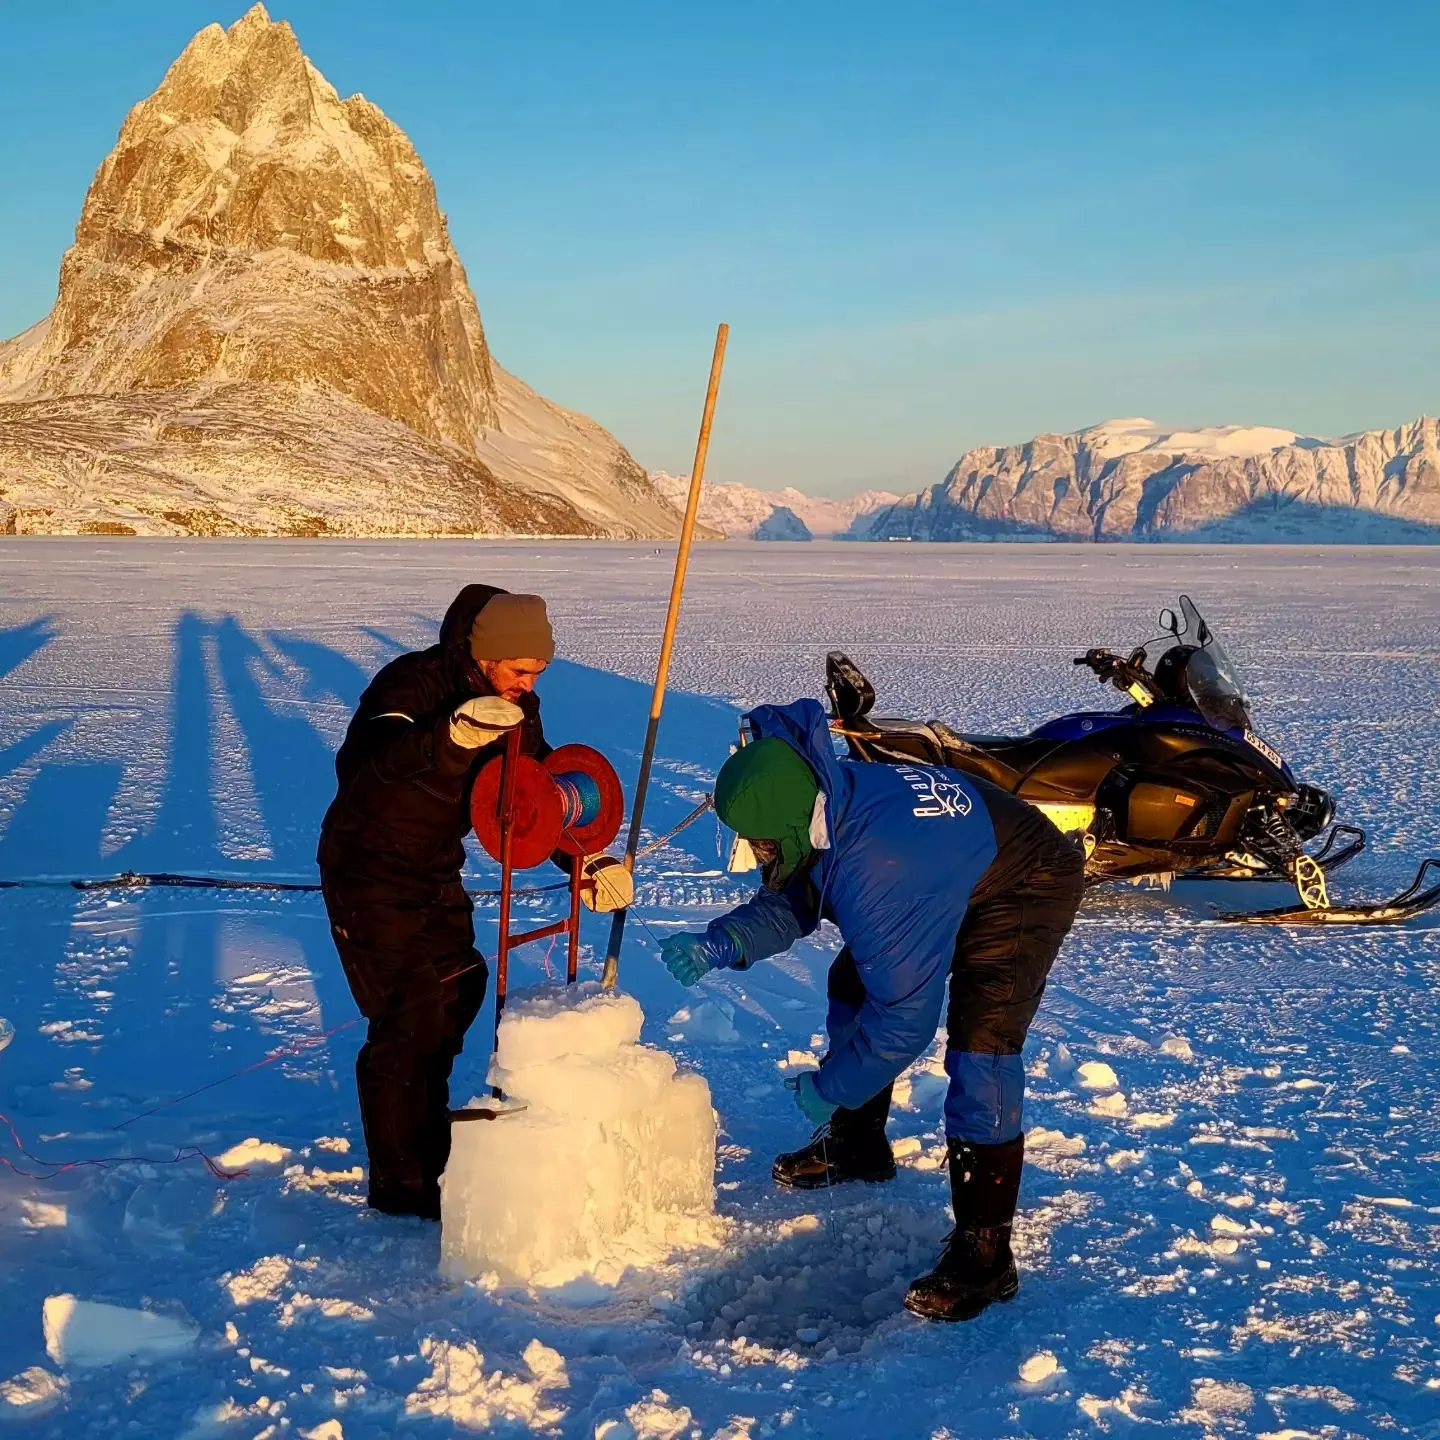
pixel 908 843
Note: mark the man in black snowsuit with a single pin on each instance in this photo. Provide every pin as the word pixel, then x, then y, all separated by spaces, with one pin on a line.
pixel 391 852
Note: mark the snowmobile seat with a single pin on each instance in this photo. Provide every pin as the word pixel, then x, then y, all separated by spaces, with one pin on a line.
pixel 1035 767
pixel 1004 760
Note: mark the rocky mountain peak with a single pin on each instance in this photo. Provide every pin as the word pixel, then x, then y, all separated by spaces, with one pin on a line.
pixel 262 285
pixel 241 127
pixel 251 225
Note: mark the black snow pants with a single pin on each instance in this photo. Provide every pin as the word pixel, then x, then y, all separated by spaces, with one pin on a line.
pixel 1019 914
pixel 418 979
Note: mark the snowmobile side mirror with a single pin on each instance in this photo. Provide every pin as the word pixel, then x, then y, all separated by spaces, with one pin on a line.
pixel 1170 622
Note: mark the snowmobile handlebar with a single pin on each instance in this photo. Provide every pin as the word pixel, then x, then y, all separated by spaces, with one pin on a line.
pixel 1127 675
pixel 1104 663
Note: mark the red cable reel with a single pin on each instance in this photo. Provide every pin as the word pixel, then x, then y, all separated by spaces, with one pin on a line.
pixel 571 802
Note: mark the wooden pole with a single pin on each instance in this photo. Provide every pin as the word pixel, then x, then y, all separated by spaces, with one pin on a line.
pixel 662 671
pixel 572 944
pixel 507 878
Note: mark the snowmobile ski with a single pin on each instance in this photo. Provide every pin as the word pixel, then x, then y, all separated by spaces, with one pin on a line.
pixel 1415 898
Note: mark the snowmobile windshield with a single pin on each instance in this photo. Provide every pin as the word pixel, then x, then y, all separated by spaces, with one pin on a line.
pixel 1210 674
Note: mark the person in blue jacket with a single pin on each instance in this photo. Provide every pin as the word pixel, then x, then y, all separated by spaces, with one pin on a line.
pixel 930 875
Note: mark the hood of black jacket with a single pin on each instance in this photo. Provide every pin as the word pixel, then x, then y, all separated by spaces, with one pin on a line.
pixel 456 626
pixel 460 617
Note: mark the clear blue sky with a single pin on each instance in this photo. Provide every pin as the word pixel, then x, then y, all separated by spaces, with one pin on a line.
pixel 930 226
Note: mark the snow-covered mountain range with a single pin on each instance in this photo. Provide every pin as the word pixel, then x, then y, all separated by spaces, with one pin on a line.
pixel 1127 480
pixel 263 328
pixel 743 513
pixel 1135 480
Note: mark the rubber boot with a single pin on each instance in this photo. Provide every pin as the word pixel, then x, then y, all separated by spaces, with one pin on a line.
pixel 852 1146
pixel 423 1202
pixel 977 1266
pixel 393 1117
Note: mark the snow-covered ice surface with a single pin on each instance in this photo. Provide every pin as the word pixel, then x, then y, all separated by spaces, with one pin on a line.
pixel 1235 1236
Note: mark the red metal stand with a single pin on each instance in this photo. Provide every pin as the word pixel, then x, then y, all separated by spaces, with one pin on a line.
pixel 509 821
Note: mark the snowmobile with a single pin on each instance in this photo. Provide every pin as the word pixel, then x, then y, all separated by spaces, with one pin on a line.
pixel 1176 785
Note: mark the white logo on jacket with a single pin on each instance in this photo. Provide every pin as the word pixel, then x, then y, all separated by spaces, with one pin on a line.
pixel 935 796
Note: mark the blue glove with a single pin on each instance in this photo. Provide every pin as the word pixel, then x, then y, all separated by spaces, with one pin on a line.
pixel 687 957
pixel 813 1105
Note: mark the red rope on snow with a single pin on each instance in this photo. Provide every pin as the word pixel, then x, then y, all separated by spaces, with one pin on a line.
pixel 109 1162
pixel 294 1048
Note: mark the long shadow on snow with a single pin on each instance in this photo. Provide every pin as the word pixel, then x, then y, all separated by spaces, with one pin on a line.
pixel 59 824
pixel 20 642
pixel 27 747
pixel 185 835
pixel 328 673
pixel 292 767
pixel 173 959
pixel 141 967
pixel 183 1014
pixel 159 1036
pixel 62 819
pixel 596 707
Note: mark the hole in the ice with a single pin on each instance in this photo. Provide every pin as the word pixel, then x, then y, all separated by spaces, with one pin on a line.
pixel 822 1281
pixel 582 1293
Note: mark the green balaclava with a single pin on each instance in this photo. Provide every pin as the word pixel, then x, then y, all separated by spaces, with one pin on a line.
pixel 765 791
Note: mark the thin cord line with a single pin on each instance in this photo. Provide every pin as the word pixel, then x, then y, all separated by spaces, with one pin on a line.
pixel 294 1047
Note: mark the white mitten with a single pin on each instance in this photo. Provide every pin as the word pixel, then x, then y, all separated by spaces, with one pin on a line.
pixel 482 720
pixel 607 884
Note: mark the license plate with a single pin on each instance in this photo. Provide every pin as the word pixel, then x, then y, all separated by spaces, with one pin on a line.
pixel 1273 756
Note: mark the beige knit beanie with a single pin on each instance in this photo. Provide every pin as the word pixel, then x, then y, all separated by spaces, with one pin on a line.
pixel 512 627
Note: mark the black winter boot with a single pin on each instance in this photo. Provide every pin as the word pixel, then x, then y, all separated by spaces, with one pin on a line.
pixel 852 1146
pixel 422 1201
pixel 977 1266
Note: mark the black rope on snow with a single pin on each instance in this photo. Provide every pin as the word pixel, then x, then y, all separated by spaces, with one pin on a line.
pixel 130 880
